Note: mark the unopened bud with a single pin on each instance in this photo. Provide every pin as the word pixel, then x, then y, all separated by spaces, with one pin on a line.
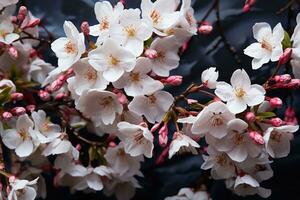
pixel 33 53
pixel 256 137
pixel 172 80
pixel 57 84
pixel 246 8
pixel 285 57
pixel 17 96
pixel 18 111
pixel 78 147
pixel 34 22
pixel 59 96
pixel 275 102
pixel 250 117
pixel 13 52
pixel 155 127
pixel 85 28
pixel 30 108
pixel 112 144
pixel 121 96
pixel 22 14
pixel 276 122
pixel 6 116
pixel 45 96
pixel 163 140
pixel 293 84
pixel 205 28
pixel 151 53
pixel 163 130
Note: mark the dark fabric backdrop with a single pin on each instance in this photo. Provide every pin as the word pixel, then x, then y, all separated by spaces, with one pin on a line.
pixel 167 179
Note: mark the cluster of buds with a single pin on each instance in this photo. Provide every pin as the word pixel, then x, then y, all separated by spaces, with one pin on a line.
pixel 284 81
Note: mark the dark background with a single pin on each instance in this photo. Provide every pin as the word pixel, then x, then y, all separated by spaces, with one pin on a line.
pixel 167 179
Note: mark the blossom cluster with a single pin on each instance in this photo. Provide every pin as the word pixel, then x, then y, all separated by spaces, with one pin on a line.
pixel 95 118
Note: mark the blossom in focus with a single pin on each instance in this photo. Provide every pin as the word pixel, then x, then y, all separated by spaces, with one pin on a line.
pixel 161 14
pixel 240 93
pixel 153 106
pixel 106 16
pixel 213 119
pixel 68 49
pixel 138 82
pixel 137 139
pixel 22 190
pixel 100 106
pixel 268 46
pixel 277 140
pixel 132 31
pixel 22 138
pixel 7 35
pixel 112 59
pixel 209 77
pixel 182 142
pixel 86 77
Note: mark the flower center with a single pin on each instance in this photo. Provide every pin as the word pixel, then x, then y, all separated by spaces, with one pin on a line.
pixel 152 99
pixel 121 152
pixel 113 61
pixel 131 32
pixel 139 137
pixel 134 77
pixel 265 44
pixel 221 159
pixel 155 16
pixel 105 101
pixel 238 138
pixel 3 33
pixel 23 134
pixel 217 119
pixel 240 92
pixel 275 136
pixel 104 24
pixel 70 48
pixel 45 127
pixel 91 74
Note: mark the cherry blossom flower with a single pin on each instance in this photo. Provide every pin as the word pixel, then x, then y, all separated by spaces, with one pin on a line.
pixel 240 93
pixel 106 16
pixel 21 138
pixel 112 59
pixel 153 106
pixel 137 139
pixel 100 106
pixel 213 119
pixel 277 140
pixel 22 190
pixel 209 77
pixel 86 77
pixel 268 46
pixel 220 164
pixel 247 185
pixel 295 61
pixel 39 70
pixel 6 31
pixel 184 143
pixel 167 55
pixel 137 82
pixel 132 31
pixel 161 14
pixel 70 48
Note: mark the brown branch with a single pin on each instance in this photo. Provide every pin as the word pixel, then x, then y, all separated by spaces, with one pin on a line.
pixel 286 7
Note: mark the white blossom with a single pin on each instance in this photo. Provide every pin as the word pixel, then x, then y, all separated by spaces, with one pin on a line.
pixel 277 140
pixel 209 77
pixel 112 59
pixel 22 190
pixel 268 46
pixel 137 139
pixel 7 35
pixel 100 106
pixel 240 93
pixel 70 48
pixel 153 106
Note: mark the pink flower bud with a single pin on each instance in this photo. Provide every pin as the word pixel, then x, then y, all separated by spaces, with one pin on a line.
pixel 155 127
pixel 59 96
pixel 185 46
pixel 121 96
pixel 22 14
pixel 70 72
pixel 250 117
pixel 6 116
pixel 30 108
pixel 85 28
pixel 162 156
pixel 151 53
pixel 246 8
pixel 12 179
pixel 205 28
pixel 33 53
pixel 285 57
pixel 78 147
pixel 18 111
pixel 276 122
pixel 172 80
pixel 17 96
pixel 45 96
pixel 57 84
pixel 162 140
pixel 163 130
pixel 112 144
pixel 34 22
pixel 293 84
pixel 275 102
pixel 123 2
pixel 257 137
pixel 13 52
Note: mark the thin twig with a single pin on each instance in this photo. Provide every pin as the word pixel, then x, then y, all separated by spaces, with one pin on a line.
pixel 286 7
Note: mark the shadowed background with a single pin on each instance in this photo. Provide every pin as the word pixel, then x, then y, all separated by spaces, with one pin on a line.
pixel 167 179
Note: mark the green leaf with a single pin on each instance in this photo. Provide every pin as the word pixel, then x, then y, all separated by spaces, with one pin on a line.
pixel 5 95
pixel 266 115
pixel 286 42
